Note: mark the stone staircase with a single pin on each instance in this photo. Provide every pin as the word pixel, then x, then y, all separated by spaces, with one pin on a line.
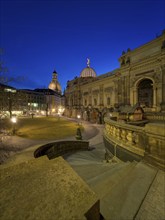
pixel 121 186
pixel 124 201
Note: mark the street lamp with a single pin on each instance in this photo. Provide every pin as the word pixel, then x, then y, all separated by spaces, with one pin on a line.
pixel 14 121
pixel 78 117
pixel 60 110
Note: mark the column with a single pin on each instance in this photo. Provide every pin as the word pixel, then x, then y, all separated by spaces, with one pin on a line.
pixel 163 90
pixel 154 95
pixel 135 98
pixel 115 92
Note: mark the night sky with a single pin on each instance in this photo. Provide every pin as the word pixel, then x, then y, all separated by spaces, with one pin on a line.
pixel 39 37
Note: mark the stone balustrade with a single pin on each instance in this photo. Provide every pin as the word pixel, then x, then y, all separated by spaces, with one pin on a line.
pixel 139 142
pixel 128 136
pixel 159 116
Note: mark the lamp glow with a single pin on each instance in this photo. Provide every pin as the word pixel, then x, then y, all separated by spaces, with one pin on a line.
pixel 14 119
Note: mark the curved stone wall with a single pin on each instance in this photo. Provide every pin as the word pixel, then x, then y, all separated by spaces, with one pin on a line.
pixel 59 148
pixel 130 142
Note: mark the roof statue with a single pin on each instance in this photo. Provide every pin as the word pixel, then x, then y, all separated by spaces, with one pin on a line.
pixel 88 62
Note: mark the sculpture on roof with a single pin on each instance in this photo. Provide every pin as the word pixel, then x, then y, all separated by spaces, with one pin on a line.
pixel 88 62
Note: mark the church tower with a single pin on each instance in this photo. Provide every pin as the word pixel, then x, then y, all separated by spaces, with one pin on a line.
pixel 55 85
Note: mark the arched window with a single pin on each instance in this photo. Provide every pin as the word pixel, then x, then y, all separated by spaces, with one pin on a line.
pixel 145 93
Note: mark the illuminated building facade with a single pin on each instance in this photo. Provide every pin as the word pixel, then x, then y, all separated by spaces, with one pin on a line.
pixel 26 101
pixel 52 100
pixel 140 79
pixel 20 102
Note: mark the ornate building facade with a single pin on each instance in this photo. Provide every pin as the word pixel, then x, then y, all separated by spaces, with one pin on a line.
pixel 139 79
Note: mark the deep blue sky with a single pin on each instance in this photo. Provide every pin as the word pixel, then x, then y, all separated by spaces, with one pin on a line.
pixel 40 36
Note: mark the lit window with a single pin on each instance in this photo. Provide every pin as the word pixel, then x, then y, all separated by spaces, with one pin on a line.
pixel 35 104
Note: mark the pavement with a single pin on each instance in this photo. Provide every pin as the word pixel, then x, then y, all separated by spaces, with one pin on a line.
pixel 16 149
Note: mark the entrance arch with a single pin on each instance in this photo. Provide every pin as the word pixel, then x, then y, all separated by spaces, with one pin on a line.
pixel 145 93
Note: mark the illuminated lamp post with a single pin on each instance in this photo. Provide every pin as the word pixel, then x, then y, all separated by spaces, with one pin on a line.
pixel 78 117
pixel 53 111
pixel 60 111
pixel 14 121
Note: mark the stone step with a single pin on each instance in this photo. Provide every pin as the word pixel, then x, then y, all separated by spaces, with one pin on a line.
pixel 98 153
pixel 155 161
pixel 85 157
pixel 106 181
pixel 92 171
pixel 124 201
pixel 82 162
pixel 79 159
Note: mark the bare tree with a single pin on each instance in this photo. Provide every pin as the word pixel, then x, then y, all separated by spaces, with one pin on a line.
pixel 10 98
pixel 4 72
pixel 3 69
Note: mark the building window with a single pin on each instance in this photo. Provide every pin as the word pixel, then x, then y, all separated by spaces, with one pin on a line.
pixel 95 101
pixel 85 102
pixel 108 101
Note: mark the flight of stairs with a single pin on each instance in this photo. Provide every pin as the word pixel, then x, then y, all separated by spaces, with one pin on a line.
pixel 121 186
